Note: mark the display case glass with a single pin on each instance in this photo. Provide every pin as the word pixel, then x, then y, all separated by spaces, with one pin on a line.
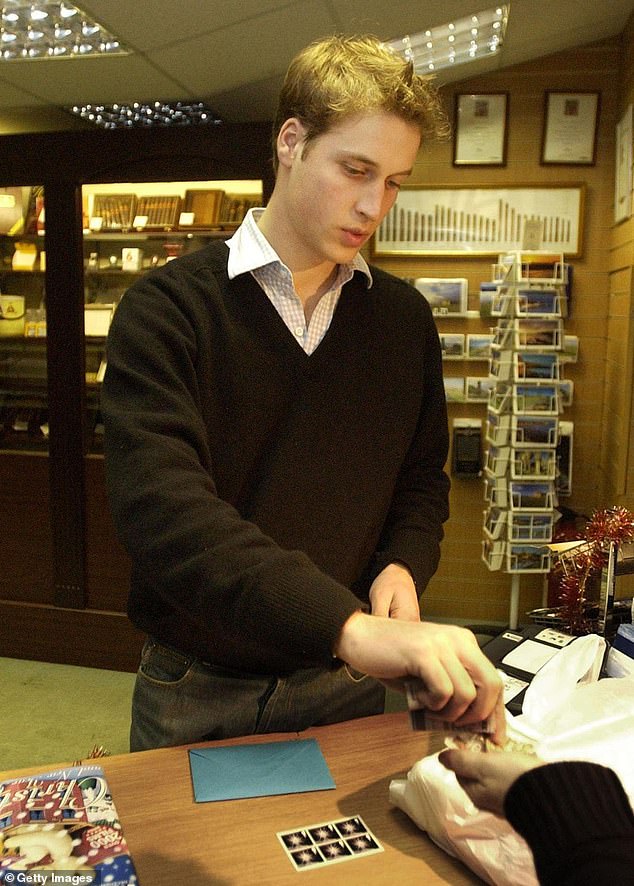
pixel 129 229
pixel 23 364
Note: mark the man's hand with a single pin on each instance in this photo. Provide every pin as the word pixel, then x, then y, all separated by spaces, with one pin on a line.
pixel 393 594
pixel 459 683
pixel 486 778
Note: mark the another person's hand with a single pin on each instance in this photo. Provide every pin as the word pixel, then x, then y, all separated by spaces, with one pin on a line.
pixel 487 777
pixel 393 594
pixel 458 682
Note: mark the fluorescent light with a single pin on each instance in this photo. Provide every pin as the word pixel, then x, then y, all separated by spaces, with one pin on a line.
pixel 49 29
pixel 455 43
pixel 142 114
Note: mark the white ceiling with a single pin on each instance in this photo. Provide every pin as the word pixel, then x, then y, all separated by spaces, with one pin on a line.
pixel 232 53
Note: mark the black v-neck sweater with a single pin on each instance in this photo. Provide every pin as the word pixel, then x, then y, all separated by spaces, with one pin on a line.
pixel 258 489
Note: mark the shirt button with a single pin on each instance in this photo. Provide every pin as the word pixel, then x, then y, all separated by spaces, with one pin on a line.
pixel 299 331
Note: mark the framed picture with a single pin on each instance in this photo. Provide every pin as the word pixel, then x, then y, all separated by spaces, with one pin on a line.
pixel 447 296
pixel 571 121
pixel 479 346
pixel 481 220
pixel 480 129
pixel 623 164
pixel 478 388
pixel 454 389
pixel 452 346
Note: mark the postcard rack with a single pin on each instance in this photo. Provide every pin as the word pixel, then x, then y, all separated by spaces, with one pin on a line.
pixel 522 428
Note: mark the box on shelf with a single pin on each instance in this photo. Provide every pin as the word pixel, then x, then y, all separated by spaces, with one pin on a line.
pixel 234 207
pixel 11 316
pixel 157 213
pixel 131 258
pixel 24 256
pixel 201 208
pixel 97 319
pixel 112 212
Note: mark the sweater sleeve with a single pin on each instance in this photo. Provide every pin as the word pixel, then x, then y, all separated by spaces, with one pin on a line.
pixel 577 820
pixel 420 504
pixel 204 576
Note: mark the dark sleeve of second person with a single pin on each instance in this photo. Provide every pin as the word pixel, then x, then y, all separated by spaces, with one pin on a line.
pixel 578 822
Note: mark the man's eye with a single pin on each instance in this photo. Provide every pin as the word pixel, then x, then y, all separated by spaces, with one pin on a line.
pixel 395 186
pixel 353 170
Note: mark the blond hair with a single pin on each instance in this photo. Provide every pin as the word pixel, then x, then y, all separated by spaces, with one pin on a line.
pixel 343 76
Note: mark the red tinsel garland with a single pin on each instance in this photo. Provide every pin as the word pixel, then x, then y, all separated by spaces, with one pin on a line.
pixel 606 527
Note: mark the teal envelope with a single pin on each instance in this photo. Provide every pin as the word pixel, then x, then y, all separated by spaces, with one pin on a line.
pixel 258 770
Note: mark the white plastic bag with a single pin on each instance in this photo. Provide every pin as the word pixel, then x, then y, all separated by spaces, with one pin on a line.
pixel 571 715
pixel 487 844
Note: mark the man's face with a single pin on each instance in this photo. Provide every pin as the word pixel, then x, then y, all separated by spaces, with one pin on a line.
pixel 341 184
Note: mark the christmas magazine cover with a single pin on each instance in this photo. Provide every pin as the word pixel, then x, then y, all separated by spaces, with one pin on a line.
pixel 63 822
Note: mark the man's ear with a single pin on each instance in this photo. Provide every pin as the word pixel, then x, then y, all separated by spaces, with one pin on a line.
pixel 290 140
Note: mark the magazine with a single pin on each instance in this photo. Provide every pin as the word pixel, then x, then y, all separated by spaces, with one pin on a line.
pixel 62 827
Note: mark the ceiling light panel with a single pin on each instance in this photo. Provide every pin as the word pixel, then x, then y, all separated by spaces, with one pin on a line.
pixel 49 29
pixel 457 42
pixel 120 116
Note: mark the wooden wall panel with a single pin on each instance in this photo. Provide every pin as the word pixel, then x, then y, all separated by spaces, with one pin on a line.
pixel 464 588
pixel 26 558
pixel 80 637
pixel 618 431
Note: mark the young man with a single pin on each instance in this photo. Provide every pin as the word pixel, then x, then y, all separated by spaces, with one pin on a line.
pixel 276 433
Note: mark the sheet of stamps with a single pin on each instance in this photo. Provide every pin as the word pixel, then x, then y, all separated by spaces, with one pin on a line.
pixel 328 842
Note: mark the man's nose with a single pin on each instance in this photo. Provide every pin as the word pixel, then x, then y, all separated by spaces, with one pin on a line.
pixel 371 202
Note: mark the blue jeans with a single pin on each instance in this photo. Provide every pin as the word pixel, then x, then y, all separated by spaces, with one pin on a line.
pixel 178 699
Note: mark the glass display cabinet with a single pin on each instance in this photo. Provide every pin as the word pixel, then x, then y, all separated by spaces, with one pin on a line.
pixel 74 234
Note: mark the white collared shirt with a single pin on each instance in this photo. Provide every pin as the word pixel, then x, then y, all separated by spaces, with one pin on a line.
pixel 250 252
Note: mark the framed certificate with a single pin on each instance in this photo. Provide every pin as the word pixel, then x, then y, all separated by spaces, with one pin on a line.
pixel 480 220
pixel 480 129
pixel 569 135
pixel 623 165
